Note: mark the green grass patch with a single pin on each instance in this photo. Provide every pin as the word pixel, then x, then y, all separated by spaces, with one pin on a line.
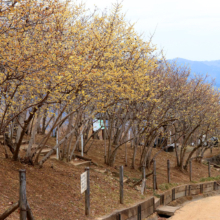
pixel 210 179
pixel 166 186
pixel 156 195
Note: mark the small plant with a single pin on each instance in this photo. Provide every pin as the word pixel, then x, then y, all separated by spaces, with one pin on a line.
pixel 193 181
pixel 210 179
pixel 156 195
pixel 166 186
pixel 142 197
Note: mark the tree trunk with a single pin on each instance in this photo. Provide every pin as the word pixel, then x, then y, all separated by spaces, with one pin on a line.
pixel 65 150
pixel 20 125
pixel 31 141
pixel 44 121
pixel 134 156
pixel 26 122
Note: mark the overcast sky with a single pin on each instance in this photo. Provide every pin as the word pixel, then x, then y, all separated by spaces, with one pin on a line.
pixel 188 29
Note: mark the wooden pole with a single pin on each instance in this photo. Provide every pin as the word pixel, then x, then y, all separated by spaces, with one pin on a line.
pixel 29 213
pixel 168 171
pixel 87 194
pixel 22 195
pixel 154 175
pixel 209 169
pixel 190 170
pixel 121 185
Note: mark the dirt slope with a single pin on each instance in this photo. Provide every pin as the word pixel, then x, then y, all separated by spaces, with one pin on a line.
pixel 54 191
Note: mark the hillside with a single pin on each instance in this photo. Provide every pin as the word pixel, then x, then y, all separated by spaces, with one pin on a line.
pixel 54 191
pixel 211 68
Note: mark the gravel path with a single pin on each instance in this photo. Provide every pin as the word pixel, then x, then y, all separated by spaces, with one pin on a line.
pixel 204 209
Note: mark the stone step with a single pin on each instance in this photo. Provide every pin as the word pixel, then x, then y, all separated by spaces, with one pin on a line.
pixel 25 146
pixel 53 157
pixel 80 163
pixel 167 210
pixel 45 151
pixel 156 202
pixel 23 142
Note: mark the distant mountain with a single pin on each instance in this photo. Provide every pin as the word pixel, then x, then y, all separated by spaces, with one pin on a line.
pixel 212 68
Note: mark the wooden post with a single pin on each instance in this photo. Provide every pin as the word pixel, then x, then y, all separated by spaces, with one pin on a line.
pixel 29 212
pixel 118 217
pixel 22 195
pixel 87 194
pixel 168 171
pixel 154 175
pixel 121 185
pixel 190 170
pixel 209 169
pixel 139 212
pixel 173 194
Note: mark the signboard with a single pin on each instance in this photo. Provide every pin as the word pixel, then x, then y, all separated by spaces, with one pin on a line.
pixel 83 180
pixel 97 124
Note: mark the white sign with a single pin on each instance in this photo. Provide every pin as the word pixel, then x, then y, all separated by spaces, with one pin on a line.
pixel 97 124
pixel 83 180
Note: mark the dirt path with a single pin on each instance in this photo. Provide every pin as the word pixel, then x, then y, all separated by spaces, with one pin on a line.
pixel 204 209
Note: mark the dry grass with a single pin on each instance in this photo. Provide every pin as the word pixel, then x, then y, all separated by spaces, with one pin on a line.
pixel 54 193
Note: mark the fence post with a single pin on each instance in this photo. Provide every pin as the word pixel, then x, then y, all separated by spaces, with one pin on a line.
pixel 168 170
pixel 87 194
pixel 118 217
pixel 154 174
pixel 22 195
pixel 121 185
pixel 190 170
pixel 209 169
pixel 139 212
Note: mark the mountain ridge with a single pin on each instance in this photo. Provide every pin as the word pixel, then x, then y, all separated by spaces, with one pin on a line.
pixel 210 68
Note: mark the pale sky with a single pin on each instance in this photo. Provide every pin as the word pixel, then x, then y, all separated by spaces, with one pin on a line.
pixel 187 29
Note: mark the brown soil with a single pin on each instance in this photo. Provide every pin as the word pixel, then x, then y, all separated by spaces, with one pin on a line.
pixel 207 209
pixel 54 191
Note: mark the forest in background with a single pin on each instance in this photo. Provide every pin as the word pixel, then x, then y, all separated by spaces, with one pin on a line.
pixel 62 66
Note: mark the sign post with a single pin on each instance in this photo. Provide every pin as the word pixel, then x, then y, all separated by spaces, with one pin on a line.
pixel 121 185
pixel 83 180
pixel 87 194
pixel 85 187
